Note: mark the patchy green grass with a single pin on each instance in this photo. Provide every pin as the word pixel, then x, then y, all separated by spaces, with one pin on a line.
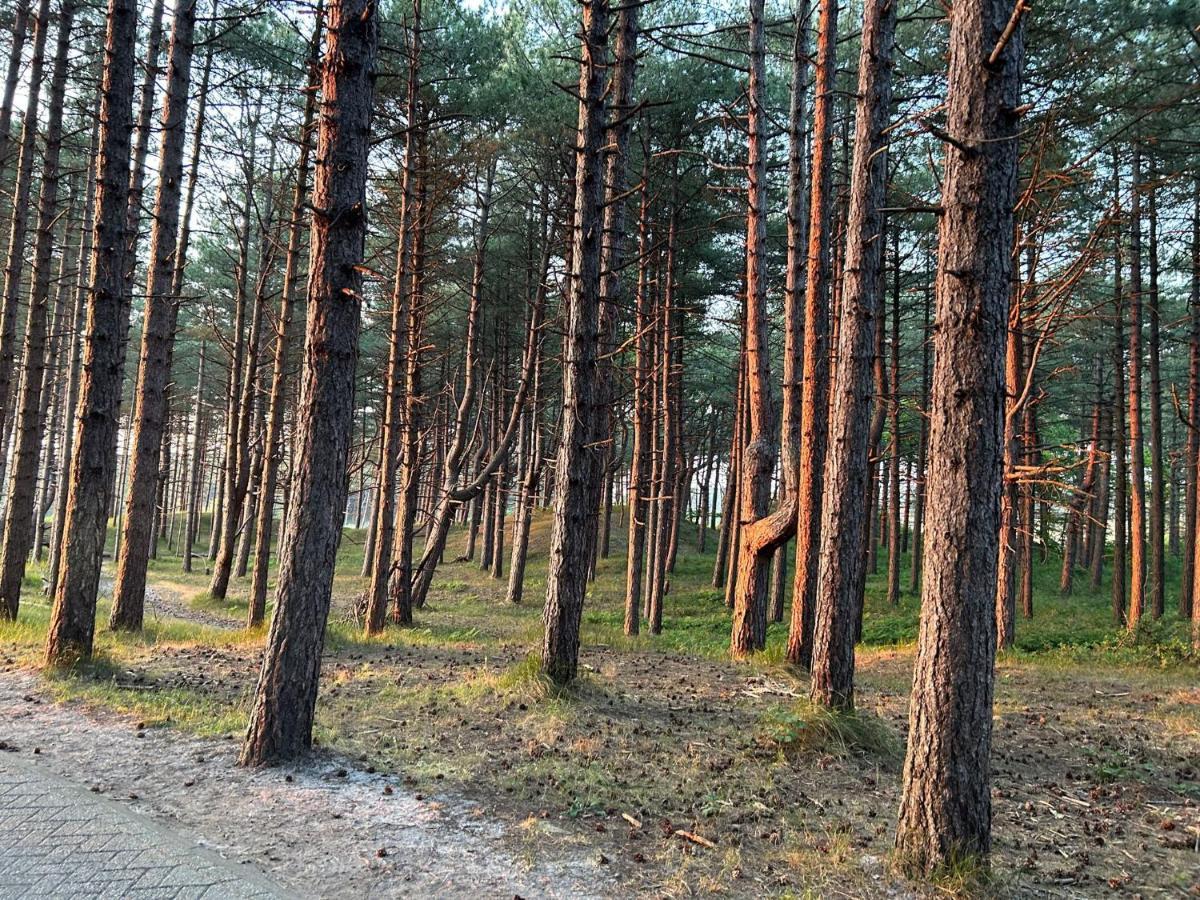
pixel 806 728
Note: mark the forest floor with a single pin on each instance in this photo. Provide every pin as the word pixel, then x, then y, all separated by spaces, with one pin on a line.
pixel 668 770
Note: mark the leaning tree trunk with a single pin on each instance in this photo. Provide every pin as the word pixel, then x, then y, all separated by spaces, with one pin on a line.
pixel 579 462
pixel 841 577
pixel 19 514
pixel 815 394
pixel 281 718
pixel 761 535
pixel 72 620
pixel 158 334
pixel 945 808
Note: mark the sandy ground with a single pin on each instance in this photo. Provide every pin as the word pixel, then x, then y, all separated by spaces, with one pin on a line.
pixel 322 829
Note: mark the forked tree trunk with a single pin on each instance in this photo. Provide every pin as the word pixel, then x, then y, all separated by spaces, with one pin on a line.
pixel 579 462
pixel 281 718
pixel 158 334
pixel 945 808
pixel 73 617
pixel 760 535
pixel 841 577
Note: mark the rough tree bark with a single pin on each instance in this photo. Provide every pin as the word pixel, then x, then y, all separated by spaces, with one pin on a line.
pixel 814 400
pixel 14 264
pixel 158 334
pixel 578 465
pixel 945 809
pixel 72 619
pixel 273 439
pixel 1137 448
pixel 841 576
pixel 19 513
pixel 762 535
pixel 281 718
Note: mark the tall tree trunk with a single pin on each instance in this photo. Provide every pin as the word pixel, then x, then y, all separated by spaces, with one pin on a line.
pixel 20 31
pixel 577 472
pixel 1192 458
pixel 639 467
pixel 894 525
pixel 389 452
pixel 914 582
pixel 815 394
pixel 760 535
pixel 281 718
pixel 841 576
pixel 945 808
pixel 19 514
pixel 1157 573
pixel 197 477
pixel 158 334
pixel 73 617
pixel 399 588
pixel 1010 492
pixel 1137 450
pixel 1119 438
pixel 82 277
pixel 273 439
pixel 14 266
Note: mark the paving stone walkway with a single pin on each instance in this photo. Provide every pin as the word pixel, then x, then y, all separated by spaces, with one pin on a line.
pixel 58 839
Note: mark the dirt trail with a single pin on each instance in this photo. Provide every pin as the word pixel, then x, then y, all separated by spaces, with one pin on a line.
pixel 322 829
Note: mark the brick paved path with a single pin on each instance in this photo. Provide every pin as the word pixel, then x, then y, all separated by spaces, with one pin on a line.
pixel 58 839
